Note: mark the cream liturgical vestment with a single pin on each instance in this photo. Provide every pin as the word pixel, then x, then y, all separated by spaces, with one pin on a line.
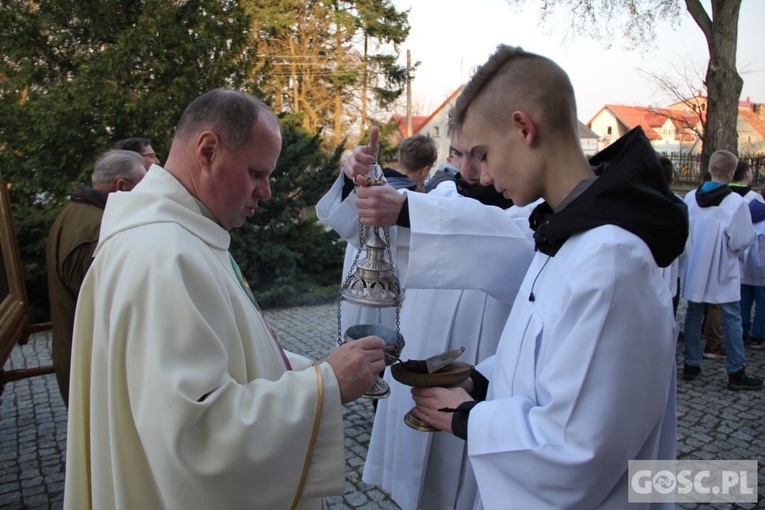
pixel 422 470
pixel 180 395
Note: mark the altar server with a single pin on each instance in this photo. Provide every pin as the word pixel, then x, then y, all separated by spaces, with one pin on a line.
pixel 583 380
pixel 421 470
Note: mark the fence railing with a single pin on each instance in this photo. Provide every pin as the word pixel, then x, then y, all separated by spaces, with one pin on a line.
pixel 689 171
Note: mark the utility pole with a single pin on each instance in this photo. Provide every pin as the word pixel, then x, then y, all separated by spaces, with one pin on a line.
pixel 408 93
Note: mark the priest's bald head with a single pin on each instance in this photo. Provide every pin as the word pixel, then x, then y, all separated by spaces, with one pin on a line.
pixel 224 151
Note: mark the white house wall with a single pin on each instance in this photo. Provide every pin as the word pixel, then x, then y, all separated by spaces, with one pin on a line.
pixel 607 127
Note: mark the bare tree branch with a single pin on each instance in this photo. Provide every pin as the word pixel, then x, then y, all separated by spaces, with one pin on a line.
pixel 701 18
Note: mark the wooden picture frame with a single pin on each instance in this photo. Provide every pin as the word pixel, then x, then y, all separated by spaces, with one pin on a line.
pixel 13 296
pixel 14 306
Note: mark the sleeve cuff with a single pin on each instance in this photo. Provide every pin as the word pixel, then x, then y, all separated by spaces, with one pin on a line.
pixel 348 186
pixel 460 419
pixel 480 385
pixel 403 214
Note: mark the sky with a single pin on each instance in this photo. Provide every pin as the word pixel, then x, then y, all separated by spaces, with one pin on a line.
pixel 451 37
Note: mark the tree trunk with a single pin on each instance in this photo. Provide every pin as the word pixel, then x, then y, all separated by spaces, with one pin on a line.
pixel 722 79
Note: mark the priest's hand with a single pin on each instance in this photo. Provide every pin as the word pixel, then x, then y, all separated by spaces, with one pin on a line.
pixel 379 206
pixel 356 365
pixel 362 157
pixel 436 406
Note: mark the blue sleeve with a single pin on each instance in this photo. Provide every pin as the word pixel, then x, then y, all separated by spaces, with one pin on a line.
pixel 757 210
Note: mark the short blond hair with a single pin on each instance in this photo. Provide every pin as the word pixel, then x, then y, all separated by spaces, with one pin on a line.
pixel 722 163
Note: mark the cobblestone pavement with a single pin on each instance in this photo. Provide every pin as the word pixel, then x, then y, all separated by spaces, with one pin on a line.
pixel 714 423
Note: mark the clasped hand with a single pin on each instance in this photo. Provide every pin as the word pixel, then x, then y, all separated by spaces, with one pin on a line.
pixel 435 405
pixel 378 206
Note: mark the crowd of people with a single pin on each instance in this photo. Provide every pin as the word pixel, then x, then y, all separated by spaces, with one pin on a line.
pixel 555 272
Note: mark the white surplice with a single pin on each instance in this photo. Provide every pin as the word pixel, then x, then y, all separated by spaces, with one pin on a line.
pixel 721 235
pixel 422 470
pixel 342 216
pixel 180 396
pixel 584 376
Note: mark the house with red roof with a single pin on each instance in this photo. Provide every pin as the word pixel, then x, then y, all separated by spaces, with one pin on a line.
pixel 678 127
pixel 668 130
pixel 751 130
pixel 436 126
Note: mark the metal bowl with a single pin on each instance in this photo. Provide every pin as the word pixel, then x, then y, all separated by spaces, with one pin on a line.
pixel 394 341
pixel 450 375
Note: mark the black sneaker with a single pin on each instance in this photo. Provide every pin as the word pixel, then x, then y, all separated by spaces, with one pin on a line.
pixel 691 372
pixel 755 343
pixel 738 381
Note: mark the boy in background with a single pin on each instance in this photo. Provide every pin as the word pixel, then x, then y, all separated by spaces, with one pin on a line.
pixel 722 230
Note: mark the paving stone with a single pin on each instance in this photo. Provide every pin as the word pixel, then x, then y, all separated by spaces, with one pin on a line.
pixel 713 422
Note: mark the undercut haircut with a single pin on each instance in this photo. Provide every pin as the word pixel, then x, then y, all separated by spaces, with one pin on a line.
pixel 416 152
pixel 513 79
pixel 116 164
pixel 228 113
pixel 721 163
pixel 742 168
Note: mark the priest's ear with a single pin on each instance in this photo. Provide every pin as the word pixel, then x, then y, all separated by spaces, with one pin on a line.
pixel 208 143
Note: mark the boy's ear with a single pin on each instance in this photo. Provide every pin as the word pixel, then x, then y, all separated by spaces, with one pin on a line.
pixel 525 125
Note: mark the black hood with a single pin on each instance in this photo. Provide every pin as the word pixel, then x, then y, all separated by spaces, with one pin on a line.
pixel 714 197
pixel 398 180
pixel 741 190
pixel 630 192
pixel 487 195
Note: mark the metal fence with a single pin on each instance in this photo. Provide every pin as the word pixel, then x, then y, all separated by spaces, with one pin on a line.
pixel 689 171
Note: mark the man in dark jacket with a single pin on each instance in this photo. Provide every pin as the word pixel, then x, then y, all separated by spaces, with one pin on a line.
pixel 71 242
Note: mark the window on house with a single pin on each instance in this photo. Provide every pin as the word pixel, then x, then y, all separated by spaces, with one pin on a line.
pixel 436 131
pixel 608 130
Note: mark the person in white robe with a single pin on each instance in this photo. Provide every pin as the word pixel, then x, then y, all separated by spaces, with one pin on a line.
pixel 752 276
pixel 583 380
pixel 181 397
pixel 421 470
pixel 722 231
pixel 671 273
pixel 741 183
pixel 416 156
pixel 753 280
